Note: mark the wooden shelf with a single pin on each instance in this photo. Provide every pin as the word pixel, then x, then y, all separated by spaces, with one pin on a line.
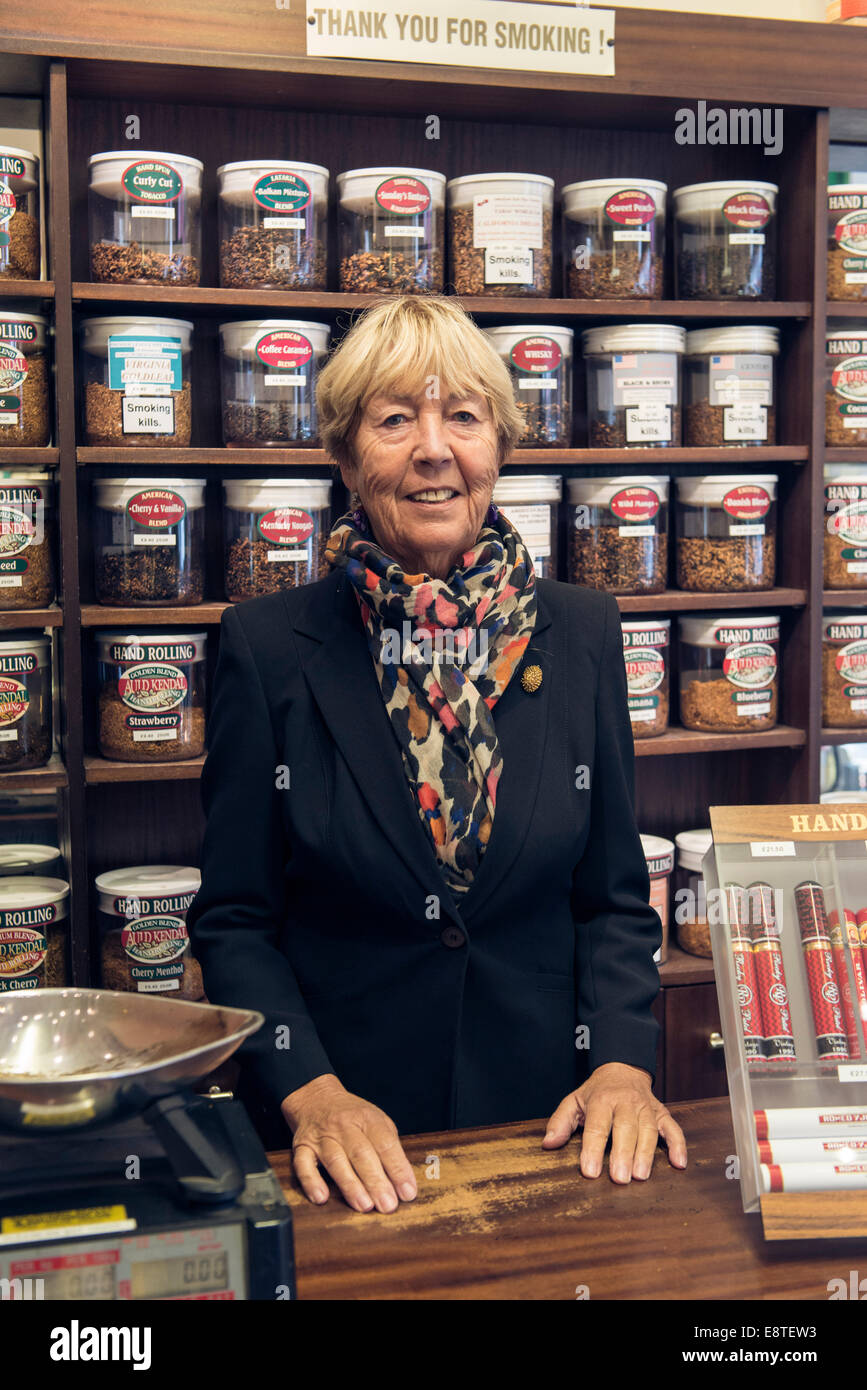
pixel 218 456
pixel 104 770
pixel 684 969
pixel 843 736
pixel 674 600
pixel 688 741
pixel 856 453
pixel 31 617
pixel 212 297
pixel 847 309
pixel 37 779
pixel 26 289
pixel 33 458
pixel 99 615
pixel 844 598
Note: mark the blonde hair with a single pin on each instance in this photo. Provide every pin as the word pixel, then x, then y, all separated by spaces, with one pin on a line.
pixel 405 344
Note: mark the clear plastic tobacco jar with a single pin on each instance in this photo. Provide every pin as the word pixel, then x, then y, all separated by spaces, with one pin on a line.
pixel 633 385
pixel 20 246
pixel 729 672
pixel 500 228
pixel 391 230
pixel 614 238
pixel 846 385
pixel 137 380
pixel 28 533
pixel 844 671
pixel 149 541
pixel 845 534
pixel 34 921
pixel 530 501
pixel 538 358
pixel 142 916
pixel 151 695
pixel 24 414
pixel 25 701
pixel 646 647
pixel 726 528
pixel 273 225
pixel 276 530
pixel 144 210
pixel 728 386
pixel 726 240
pixel 618 533
pixel 268 370
pixel 847 236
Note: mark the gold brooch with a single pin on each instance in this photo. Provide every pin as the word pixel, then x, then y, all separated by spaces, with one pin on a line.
pixel 531 679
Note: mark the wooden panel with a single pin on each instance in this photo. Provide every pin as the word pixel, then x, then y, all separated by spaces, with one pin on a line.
pixel 687 741
pixel 105 770
pixel 693 1070
pixel 733 825
pixel 684 969
pixel 217 456
pixel 673 600
pixel 31 617
pixel 813 1215
pixel 36 779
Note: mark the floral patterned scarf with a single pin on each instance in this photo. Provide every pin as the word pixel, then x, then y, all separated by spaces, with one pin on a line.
pixel 444 652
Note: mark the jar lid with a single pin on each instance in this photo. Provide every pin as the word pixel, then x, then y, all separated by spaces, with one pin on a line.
pixel 640 337
pixel 591 195
pixel 714 487
pixel 284 165
pixel 845 473
pixel 149 640
pixel 29 180
pixel 13 316
pixel 646 625
pixel 114 493
pixel 10 478
pixel 841 798
pixel 98 331
pixel 857 332
pixel 149 881
pixel 241 339
pixel 507 335
pixel 30 890
pixel 17 858
pixel 383 171
pixel 692 846
pixel 659 854
pixel 599 491
pixel 22 154
pixel 710 197
pixel 133 156
pixel 28 332
pixel 706 631
pixel 17 646
pixel 847 181
pixel 528 488
pixel 462 189
pixel 738 338
pixel 856 623
pixel 258 494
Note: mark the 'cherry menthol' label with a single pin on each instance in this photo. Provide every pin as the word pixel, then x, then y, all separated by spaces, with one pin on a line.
pixel 403 194
pixel 749 210
pixel 282 191
pixel 630 208
pixel 286 526
pixel 152 181
pixel 538 354
pixel 155 939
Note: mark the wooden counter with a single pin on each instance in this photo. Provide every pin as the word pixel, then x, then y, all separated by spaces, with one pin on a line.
pixel 506 1219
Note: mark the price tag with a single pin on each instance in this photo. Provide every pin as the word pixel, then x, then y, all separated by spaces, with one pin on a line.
pixel 772 849
pixel 849 1071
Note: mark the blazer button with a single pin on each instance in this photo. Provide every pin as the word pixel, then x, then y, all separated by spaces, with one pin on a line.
pixel 452 936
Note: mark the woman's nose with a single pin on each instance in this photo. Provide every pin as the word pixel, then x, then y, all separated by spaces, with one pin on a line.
pixel 431 444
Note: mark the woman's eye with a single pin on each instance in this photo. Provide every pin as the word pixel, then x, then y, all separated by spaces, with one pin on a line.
pixel 396 419
pixel 464 417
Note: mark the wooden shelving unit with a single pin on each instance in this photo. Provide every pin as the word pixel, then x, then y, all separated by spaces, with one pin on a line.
pixel 242 86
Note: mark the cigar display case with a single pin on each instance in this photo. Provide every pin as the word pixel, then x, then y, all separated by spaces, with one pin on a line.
pixel 787 908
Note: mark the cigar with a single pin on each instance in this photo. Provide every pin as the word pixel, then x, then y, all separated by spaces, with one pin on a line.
pixel 808 1123
pixel 841 934
pixel 812 1177
pixel 746 983
pixel 842 1149
pixel 828 1018
pixel 776 1013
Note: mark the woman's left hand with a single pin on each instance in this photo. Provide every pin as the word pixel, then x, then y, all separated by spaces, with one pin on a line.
pixel 616 1099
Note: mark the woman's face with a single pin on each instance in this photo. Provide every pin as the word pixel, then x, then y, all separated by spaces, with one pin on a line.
pixel 425 471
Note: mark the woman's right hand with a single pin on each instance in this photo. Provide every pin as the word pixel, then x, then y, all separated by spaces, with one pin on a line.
pixel 354 1141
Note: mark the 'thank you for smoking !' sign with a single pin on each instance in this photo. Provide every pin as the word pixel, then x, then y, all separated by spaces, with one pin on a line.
pixel 466 33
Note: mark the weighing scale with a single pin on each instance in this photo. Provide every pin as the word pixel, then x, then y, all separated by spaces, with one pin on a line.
pixel 142 1191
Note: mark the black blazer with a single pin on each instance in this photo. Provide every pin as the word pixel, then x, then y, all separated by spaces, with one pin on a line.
pixel 322 904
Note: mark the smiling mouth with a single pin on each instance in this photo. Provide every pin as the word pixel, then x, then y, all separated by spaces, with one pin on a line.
pixel 432 496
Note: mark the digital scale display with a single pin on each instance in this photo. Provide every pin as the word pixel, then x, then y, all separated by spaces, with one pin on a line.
pixel 202 1263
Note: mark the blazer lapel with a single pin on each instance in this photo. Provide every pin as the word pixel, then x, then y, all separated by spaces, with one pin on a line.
pixel 337 663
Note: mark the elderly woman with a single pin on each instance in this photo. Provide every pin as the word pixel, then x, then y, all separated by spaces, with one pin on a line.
pixel 421 861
